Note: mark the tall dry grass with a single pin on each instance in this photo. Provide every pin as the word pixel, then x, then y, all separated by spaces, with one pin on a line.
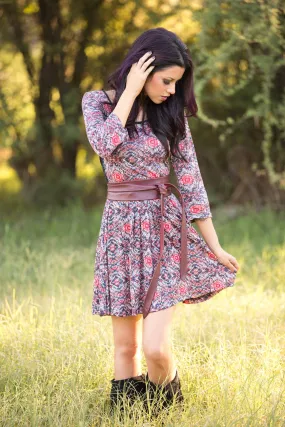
pixel 56 359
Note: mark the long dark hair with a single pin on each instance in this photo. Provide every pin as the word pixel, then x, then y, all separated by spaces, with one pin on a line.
pixel 166 119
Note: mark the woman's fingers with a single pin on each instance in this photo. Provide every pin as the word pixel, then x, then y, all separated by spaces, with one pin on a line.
pixel 143 58
pixel 229 261
pixel 234 262
pixel 146 63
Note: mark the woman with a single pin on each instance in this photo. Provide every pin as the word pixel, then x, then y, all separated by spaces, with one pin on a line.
pixel 145 266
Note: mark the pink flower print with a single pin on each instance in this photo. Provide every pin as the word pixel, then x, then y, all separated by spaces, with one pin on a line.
pixel 152 142
pixel 167 226
pixel 156 295
pixel 116 139
pixel 153 174
pixel 183 290
pixel 181 146
pixel 117 176
pixel 145 225
pixel 127 227
pixel 217 285
pixel 173 202
pixel 148 261
pixel 196 209
pixel 212 256
pixel 131 159
pixel 96 282
pixel 112 247
pixel 116 282
pixel 108 107
pixel 176 258
pixel 187 179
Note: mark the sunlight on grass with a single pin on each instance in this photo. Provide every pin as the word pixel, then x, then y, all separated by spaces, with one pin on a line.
pixel 57 359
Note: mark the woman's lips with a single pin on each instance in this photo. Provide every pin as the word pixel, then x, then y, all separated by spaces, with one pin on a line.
pixel 164 97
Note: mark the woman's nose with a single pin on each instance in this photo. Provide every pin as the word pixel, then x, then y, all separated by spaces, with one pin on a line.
pixel 171 90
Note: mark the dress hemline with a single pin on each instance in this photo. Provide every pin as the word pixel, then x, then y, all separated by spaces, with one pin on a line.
pixel 201 298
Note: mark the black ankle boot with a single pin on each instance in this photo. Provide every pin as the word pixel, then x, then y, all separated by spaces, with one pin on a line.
pixel 160 396
pixel 173 391
pixel 132 388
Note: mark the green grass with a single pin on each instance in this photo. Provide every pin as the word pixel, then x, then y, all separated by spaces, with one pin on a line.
pixel 56 359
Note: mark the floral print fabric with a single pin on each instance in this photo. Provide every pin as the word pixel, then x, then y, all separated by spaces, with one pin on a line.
pixel 127 248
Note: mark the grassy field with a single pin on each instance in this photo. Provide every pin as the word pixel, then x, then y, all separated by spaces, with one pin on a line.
pixel 56 359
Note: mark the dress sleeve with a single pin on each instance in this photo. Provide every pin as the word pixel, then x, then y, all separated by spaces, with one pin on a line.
pixel 104 135
pixel 190 181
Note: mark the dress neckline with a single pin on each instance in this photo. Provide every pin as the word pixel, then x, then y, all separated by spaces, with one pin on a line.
pixel 142 121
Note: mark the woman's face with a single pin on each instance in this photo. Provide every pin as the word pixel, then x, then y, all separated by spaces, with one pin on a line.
pixel 162 83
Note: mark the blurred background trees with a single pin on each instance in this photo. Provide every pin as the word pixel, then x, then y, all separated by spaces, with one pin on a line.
pixel 240 52
pixel 53 51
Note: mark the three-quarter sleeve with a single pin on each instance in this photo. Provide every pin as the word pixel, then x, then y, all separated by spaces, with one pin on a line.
pixel 190 181
pixel 104 134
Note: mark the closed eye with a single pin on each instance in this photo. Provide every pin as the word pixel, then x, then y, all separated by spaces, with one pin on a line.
pixel 167 82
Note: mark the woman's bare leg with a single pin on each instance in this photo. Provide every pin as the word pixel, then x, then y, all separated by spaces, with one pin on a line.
pixel 127 333
pixel 157 346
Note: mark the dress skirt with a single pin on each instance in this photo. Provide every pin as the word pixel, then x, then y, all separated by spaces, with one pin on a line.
pixel 128 250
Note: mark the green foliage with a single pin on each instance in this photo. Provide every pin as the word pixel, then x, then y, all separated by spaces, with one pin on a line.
pixel 241 77
pixel 54 189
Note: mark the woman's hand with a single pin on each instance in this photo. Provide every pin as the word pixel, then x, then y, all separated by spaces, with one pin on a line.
pixel 138 74
pixel 227 259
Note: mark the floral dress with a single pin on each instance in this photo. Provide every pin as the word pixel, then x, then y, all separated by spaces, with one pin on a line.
pixel 128 244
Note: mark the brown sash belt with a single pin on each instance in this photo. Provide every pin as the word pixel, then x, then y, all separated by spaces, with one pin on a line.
pixel 146 189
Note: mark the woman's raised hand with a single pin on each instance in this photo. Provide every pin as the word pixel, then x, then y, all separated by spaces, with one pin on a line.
pixel 139 73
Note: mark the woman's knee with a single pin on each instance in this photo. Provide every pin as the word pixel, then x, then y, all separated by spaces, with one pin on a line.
pixel 127 336
pixel 127 349
pixel 157 353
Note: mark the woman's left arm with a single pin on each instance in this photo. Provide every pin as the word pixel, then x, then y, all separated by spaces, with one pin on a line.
pixel 195 197
pixel 209 234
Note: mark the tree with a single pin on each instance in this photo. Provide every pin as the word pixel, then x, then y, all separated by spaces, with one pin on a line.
pixel 61 67
pixel 56 38
pixel 241 88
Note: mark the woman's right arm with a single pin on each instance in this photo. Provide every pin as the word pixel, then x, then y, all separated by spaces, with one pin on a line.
pixel 124 106
pixel 105 135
